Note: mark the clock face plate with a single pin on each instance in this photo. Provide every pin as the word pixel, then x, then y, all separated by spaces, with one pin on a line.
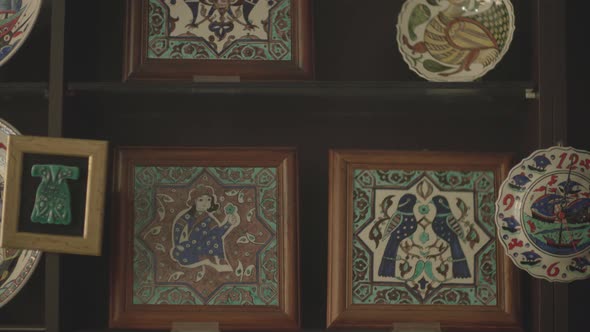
pixel 543 214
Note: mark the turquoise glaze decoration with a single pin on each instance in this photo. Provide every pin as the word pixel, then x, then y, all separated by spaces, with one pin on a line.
pixel 250 30
pixel 424 237
pixel 53 199
pixel 206 236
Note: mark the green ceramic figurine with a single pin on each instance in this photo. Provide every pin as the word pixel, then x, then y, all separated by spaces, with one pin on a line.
pixel 53 201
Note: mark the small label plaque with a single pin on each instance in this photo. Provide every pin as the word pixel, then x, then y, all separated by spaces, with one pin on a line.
pixel 195 327
pixel 416 327
pixel 216 79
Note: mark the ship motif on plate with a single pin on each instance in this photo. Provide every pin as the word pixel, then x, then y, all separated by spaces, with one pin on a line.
pixel 454 40
pixel 17 18
pixel 424 237
pixel 543 214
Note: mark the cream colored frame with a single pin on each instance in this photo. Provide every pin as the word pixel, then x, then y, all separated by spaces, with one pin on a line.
pixel 90 242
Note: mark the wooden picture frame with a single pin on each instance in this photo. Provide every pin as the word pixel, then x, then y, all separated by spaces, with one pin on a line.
pixel 369 287
pixel 260 184
pixel 162 52
pixel 70 225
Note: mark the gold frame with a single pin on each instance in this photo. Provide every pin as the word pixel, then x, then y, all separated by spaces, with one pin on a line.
pixel 90 242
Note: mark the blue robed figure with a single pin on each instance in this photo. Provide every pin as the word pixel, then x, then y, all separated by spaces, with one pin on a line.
pixel 198 236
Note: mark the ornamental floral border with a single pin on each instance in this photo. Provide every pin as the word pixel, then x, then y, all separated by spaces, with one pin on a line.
pixel 278 47
pixel 149 205
pixel 482 292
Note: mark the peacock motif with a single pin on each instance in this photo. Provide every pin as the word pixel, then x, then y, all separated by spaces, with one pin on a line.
pixel 460 41
pixel 220 29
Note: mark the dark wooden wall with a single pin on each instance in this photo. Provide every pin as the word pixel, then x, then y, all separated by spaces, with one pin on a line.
pixel 355 41
pixel 313 124
pixel 578 136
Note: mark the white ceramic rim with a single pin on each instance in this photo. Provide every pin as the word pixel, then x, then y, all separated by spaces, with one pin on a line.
pixel 448 78
pixel 499 225
pixel 25 255
pixel 36 11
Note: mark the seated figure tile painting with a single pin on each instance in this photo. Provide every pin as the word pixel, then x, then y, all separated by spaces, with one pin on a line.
pixel 206 235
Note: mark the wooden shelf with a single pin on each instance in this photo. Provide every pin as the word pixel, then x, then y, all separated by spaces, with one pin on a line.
pixel 394 90
pixel 22 328
pixel 98 108
pixel 24 89
pixel 300 330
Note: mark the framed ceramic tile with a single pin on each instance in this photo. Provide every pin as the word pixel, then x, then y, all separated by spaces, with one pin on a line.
pixel 205 235
pixel 54 195
pixel 249 39
pixel 413 239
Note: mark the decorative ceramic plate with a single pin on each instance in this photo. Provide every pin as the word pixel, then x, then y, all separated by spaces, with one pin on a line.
pixel 16 266
pixel 454 40
pixel 17 18
pixel 543 214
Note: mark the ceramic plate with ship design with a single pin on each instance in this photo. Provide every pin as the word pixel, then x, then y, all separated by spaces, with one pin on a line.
pixel 454 40
pixel 16 266
pixel 17 18
pixel 543 214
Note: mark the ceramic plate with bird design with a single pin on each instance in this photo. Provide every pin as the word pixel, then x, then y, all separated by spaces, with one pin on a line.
pixel 16 266
pixel 543 214
pixel 17 18
pixel 454 40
